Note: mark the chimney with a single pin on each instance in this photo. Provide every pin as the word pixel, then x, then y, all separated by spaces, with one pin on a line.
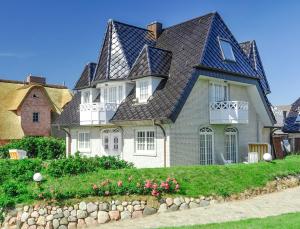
pixel 36 79
pixel 155 28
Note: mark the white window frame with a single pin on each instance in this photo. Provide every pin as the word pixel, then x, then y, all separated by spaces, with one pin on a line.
pixel 86 144
pixel 230 133
pixel 221 40
pixel 147 150
pixel 86 97
pixel 144 89
pixel 214 86
pixel 203 151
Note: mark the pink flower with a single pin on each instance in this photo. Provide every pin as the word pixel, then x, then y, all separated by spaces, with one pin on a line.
pixel 120 183
pixel 167 186
pixel 155 192
pixel 106 193
pixel 154 186
pixel 175 181
pixel 163 184
pixel 95 187
pixel 177 187
pixel 168 179
pixel 148 184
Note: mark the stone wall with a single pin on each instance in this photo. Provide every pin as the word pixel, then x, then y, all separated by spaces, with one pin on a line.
pixel 94 213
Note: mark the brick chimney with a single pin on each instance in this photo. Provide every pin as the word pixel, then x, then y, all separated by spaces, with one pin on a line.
pixel 36 79
pixel 155 28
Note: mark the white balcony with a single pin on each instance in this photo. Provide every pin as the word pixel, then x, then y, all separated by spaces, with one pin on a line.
pixel 229 112
pixel 96 113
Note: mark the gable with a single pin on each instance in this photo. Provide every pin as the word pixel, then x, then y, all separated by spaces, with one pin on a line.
pixel 212 56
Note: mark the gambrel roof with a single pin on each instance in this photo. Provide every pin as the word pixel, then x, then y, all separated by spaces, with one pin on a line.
pixel 178 54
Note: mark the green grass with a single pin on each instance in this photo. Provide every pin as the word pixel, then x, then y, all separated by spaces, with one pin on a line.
pixel 194 180
pixel 285 221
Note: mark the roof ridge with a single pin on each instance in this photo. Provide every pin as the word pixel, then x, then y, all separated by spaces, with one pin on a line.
pixel 150 46
pixel 26 83
pixel 134 26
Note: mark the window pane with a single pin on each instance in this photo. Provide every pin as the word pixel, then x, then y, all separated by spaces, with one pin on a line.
pixel 105 95
pixel 227 51
pixel 144 85
pixel 141 140
pixel 116 143
pixel 120 94
pixel 87 140
pixel 86 97
pixel 112 95
pixel 150 140
pixel 35 117
pixel 106 142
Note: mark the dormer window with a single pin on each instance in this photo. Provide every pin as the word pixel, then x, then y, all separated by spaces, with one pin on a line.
pixel 226 50
pixel 86 97
pixel 144 90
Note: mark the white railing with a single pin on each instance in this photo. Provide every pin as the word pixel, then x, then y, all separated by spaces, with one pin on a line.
pixel 96 113
pixel 228 112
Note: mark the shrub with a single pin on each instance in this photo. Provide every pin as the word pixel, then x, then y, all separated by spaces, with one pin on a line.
pixel 14 189
pixel 78 165
pixel 41 147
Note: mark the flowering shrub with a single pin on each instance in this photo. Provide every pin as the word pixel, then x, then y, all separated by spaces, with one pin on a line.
pixel 128 187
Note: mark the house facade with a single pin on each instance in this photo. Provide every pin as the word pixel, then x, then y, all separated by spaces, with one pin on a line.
pixel 29 108
pixel 183 95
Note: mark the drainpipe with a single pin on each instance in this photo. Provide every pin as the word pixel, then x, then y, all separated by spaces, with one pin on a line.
pixel 165 141
pixel 69 141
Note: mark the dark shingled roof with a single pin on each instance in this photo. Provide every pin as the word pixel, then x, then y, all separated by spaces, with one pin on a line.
pixel 187 45
pixel 121 46
pixel 86 76
pixel 151 61
pixel 290 125
pixel 251 50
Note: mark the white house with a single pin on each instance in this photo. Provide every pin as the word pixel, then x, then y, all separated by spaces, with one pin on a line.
pixel 183 95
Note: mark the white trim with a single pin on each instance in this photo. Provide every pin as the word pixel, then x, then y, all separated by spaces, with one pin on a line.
pixel 231 131
pixel 205 132
pixel 145 152
pixel 85 149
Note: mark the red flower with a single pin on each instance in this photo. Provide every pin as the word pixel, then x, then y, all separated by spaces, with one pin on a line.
pixel 155 192
pixel 120 183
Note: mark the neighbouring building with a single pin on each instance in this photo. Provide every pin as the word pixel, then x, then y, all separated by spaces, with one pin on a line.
pixel 28 108
pixel 182 95
pixel 291 126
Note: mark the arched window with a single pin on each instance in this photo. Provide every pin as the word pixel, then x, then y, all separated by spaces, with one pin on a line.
pixel 206 146
pixel 231 144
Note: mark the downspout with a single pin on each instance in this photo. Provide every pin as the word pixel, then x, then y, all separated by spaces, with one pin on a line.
pixel 165 141
pixel 69 141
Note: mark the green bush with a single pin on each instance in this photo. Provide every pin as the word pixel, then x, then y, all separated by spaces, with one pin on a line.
pixel 37 147
pixel 14 189
pixel 78 165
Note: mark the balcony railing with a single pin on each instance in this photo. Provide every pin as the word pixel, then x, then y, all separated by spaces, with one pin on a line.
pixel 229 112
pixel 96 113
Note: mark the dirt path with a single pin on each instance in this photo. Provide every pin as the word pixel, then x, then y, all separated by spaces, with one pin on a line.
pixel 261 206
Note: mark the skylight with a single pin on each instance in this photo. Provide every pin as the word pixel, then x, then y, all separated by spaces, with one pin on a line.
pixel 226 50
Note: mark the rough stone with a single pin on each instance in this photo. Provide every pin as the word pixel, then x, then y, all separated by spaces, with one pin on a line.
pixel 117 202
pixel 136 202
pixel 163 208
pixel 125 215
pixel 184 206
pixel 169 202
pixel 31 221
pixel 91 207
pixel 76 207
pixel 90 221
pixel 70 208
pixel 82 206
pixel 35 214
pixel 124 204
pixel 49 225
pixel 177 201
pixel 62 227
pixel 81 223
pixel 41 221
pixel 120 208
pixel 173 207
pixel 72 225
pixel 149 211
pixel 94 215
pixel 24 216
pixel 103 207
pixel 32 227
pixel 113 207
pixel 81 214
pixel 73 213
pixel 137 214
pixel 130 208
pixel 26 208
pixel 12 221
pixel 187 200
pixel 66 213
pixel 72 218
pixel 42 211
pixel 55 223
pixel 103 217
pixel 58 215
pixel 25 226
pixel 194 205
pixel 204 203
pixel 137 207
pixel 114 215
pixel 59 210
pixel 64 221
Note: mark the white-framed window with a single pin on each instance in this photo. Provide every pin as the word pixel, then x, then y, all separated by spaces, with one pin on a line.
pixel 116 143
pixel 219 92
pixel 145 142
pixel 112 95
pixel 231 144
pixel 86 97
pixel 226 50
pixel 83 141
pixel 120 93
pixel 206 146
pixel 105 95
pixel 106 142
pixel 144 90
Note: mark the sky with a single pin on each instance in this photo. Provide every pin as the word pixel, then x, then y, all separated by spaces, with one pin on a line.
pixel 57 38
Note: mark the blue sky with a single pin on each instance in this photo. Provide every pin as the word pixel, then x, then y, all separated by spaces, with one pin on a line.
pixel 57 38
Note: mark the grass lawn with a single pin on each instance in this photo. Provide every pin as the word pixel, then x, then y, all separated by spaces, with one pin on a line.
pixel 285 221
pixel 194 180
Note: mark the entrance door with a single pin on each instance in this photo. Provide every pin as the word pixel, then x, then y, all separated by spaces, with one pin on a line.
pixel 111 142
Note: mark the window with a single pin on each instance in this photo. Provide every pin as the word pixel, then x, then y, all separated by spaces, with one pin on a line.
pixel 116 143
pixel 144 94
pixel 219 92
pixel 83 140
pixel 106 142
pixel 145 141
pixel 105 95
pixel 206 146
pixel 231 144
pixel 226 49
pixel 112 95
pixel 120 94
pixel 35 117
pixel 86 97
